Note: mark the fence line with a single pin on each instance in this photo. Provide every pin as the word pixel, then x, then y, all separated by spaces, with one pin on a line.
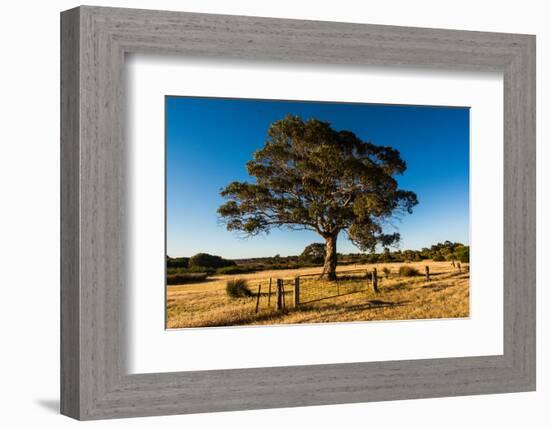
pixel 305 290
pixel 269 293
pixel 258 297
pixel 296 292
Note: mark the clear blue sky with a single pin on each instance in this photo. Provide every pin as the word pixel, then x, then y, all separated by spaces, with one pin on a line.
pixel 209 141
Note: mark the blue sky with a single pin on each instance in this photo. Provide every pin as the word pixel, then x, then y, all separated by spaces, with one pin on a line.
pixel 209 141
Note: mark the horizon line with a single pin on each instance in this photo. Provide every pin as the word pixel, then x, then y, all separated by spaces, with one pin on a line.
pixel 341 253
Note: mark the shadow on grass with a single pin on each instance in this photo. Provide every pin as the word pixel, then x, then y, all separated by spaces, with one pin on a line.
pixel 331 297
pixel 437 287
pixel 375 303
pixel 351 278
pixel 400 286
pixel 419 280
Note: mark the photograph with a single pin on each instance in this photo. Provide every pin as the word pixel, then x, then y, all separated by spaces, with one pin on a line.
pixel 311 212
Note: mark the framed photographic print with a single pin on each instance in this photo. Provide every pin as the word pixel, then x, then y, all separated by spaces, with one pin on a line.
pixel 314 189
pixel 262 213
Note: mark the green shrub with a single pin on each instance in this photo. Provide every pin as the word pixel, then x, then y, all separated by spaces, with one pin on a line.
pixel 203 260
pixel 386 271
pixel 183 278
pixel 463 253
pixel 196 269
pixel 171 271
pixel 181 262
pixel 438 257
pixel 237 288
pixel 406 271
pixel 235 269
pixel 176 271
pixel 314 253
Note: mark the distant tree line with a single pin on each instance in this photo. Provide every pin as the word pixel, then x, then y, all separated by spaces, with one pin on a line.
pixel 446 251
pixel 199 262
pixel 312 255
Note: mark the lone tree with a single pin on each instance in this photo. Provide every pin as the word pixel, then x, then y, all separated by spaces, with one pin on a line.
pixel 309 176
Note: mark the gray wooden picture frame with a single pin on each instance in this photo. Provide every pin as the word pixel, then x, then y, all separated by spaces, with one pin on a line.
pixel 94 381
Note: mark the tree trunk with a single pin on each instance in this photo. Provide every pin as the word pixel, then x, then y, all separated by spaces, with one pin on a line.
pixel 329 268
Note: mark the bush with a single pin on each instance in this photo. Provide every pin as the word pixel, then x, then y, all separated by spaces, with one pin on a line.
pixel 406 271
pixel 181 262
pixel 237 288
pixel 386 271
pixel 195 269
pixel 438 257
pixel 235 269
pixel 372 258
pixel 463 253
pixel 209 261
pixel 182 278
pixel 314 253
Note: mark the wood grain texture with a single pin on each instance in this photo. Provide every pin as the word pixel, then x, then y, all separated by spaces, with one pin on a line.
pixel 94 382
pixel 70 291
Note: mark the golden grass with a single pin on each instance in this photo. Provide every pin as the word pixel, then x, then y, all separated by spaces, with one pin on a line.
pixel 446 295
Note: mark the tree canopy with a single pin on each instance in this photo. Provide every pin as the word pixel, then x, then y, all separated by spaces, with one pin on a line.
pixel 309 176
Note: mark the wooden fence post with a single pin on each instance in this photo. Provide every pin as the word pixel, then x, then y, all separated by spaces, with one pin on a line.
pixel 375 280
pixel 296 292
pixel 427 273
pixel 269 293
pixel 258 297
pixel 280 296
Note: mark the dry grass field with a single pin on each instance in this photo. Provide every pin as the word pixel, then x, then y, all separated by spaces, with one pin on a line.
pixel 352 298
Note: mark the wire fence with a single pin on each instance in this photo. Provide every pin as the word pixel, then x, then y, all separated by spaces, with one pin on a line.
pixel 309 288
pixel 286 293
pixel 263 299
